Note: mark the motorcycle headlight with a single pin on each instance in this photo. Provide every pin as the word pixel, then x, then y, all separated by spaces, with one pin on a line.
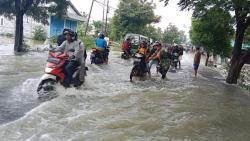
pixel 52 67
pixel 137 60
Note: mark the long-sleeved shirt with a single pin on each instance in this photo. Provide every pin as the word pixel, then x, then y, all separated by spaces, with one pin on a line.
pixel 66 46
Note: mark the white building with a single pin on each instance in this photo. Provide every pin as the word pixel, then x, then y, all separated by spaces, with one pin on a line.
pixel 7 26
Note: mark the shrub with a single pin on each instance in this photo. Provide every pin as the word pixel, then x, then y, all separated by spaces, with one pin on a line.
pixel 39 34
pixel 7 34
pixel 88 41
pixel 53 39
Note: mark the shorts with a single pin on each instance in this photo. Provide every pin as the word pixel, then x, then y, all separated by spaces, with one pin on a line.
pixel 196 66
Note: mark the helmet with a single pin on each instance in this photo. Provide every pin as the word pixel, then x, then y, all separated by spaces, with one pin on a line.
pixel 144 43
pixel 157 43
pixel 101 35
pixel 68 31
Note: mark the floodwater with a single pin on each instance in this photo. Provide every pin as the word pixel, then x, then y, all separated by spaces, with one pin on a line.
pixel 110 108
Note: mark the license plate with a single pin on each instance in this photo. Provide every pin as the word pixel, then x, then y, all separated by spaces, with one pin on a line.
pixel 137 60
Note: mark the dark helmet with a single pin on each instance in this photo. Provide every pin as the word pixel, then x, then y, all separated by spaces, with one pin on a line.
pixel 101 35
pixel 128 39
pixel 157 43
pixel 68 31
pixel 144 43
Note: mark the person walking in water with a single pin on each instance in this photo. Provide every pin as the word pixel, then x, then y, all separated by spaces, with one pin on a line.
pixel 197 59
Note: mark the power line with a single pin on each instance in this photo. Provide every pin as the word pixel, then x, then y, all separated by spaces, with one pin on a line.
pixel 103 4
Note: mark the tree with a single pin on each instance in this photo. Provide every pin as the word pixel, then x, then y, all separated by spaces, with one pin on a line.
pixel 133 16
pixel 241 10
pixel 39 10
pixel 153 33
pixel 213 31
pixel 173 35
pixel 82 27
pixel 97 26
pixel 247 36
pixel 39 34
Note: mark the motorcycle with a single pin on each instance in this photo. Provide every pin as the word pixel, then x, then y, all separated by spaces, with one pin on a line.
pixel 137 70
pixel 125 55
pixel 97 57
pixel 54 74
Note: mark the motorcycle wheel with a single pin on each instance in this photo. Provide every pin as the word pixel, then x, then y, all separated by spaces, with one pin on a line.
pixel 163 76
pixel 76 81
pixel 133 73
pixel 46 89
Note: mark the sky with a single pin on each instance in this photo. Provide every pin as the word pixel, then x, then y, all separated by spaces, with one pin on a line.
pixel 169 14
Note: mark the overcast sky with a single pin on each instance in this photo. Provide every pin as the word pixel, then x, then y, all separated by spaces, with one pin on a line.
pixel 169 14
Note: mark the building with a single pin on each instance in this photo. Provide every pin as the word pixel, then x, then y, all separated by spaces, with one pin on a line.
pixel 73 16
pixel 7 26
pixel 55 27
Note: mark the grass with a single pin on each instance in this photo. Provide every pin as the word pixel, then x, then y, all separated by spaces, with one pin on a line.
pixel 10 35
pixel 115 46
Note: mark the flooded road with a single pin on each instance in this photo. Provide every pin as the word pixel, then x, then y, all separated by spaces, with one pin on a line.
pixel 110 108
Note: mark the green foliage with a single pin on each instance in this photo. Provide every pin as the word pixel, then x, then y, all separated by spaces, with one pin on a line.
pixel 10 35
pixel 213 31
pixel 88 41
pixel 200 7
pixel 81 29
pixel 39 34
pixel 98 25
pixel 133 16
pixel 247 36
pixel 53 39
pixel 173 35
pixel 116 46
pixel 241 10
pixel 153 33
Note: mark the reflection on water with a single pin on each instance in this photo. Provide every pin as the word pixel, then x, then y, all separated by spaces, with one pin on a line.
pixel 110 108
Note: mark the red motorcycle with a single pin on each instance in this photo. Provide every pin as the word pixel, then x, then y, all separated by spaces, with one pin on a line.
pixel 54 73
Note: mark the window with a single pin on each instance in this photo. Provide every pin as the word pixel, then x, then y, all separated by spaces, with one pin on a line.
pixel 1 22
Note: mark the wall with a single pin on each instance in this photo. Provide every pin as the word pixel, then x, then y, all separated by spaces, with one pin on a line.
pixel 28 23
pixel 57 26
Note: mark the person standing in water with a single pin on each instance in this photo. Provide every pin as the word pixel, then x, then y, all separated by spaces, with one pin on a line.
pixel 197 59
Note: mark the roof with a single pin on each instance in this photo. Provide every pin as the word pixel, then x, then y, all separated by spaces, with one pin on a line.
pixel 75 15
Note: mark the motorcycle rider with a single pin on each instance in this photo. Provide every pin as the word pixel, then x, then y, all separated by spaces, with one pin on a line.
pixel 143 50
pixel 101 46
pixel 153 50
pixel 175 52
pixel 71 47
pixel 181 49
pixel 126 46
pixel 155 58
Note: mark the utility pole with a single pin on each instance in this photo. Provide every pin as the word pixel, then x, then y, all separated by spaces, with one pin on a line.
pixel 87 26
pixel 103 15
pixel 106 22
